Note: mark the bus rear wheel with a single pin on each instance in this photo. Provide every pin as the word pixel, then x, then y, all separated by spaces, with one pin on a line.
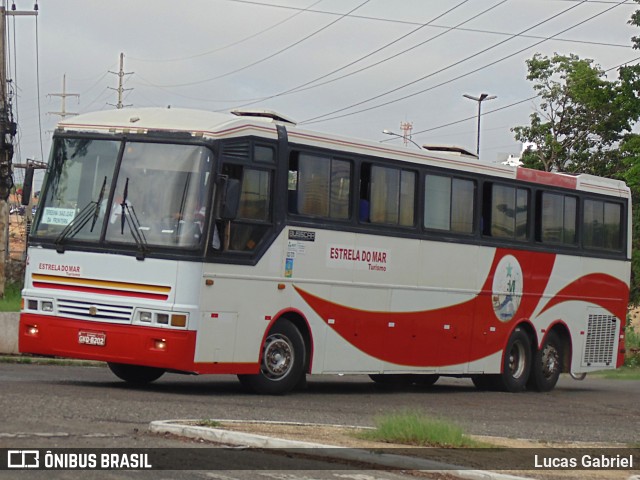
pixel 547 364
pixel 281 361
pixel 135 374
pixel 516 365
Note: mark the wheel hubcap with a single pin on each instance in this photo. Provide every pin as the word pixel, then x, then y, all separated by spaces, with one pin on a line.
pixel 550 361
pixel 278 357
pixel 517 360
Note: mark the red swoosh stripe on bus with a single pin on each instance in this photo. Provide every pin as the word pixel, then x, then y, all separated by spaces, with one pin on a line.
pixel 450 335
pixel 604 290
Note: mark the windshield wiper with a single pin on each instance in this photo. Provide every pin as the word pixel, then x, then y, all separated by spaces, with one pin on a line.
pixel 128 216
pixel 77 223
pixel 96 212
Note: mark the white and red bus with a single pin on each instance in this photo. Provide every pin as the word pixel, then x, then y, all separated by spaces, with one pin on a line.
pixel 198 242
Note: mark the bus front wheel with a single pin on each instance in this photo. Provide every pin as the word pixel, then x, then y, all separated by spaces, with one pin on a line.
pixel 135 374
pixel 281 361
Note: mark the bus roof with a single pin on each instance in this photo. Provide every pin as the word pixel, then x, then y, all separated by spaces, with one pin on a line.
pixel 200 123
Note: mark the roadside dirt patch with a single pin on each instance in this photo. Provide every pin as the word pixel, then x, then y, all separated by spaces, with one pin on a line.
pixel 342 436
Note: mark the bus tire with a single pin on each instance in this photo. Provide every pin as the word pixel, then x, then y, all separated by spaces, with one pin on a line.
pixel 516 365
pixel 135 374
pixel 547 364
pixel 281 361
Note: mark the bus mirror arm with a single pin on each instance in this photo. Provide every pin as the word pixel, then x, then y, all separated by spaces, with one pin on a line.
pixel 27 185
pixel 227 234
pixel 230 198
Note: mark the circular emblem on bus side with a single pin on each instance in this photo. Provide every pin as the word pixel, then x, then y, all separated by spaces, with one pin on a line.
pixel 507 288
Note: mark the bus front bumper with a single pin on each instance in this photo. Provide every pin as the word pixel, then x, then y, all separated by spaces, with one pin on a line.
pixel 130 344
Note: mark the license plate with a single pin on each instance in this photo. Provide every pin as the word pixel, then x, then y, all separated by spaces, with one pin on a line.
pixel 92 338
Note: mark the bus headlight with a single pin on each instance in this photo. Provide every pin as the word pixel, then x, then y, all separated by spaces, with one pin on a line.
pixel 47 306
pixel 162 319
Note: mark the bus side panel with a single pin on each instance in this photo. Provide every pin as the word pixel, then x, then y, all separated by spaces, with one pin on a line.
pixel 591 305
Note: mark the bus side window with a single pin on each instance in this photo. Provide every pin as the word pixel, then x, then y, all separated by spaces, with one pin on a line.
pixel 391 195
pixel 506 212
pixel 319 186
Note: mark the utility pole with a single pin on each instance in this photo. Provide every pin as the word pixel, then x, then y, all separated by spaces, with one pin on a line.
pixel 8 130
pixel 406 128
pixel 121 74
pixel 27 193
pixel 63 110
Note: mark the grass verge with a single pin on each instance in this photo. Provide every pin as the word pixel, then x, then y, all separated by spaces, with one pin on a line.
pixel 622 373
pixel 413 428
pixel 208 423
pixel 12 297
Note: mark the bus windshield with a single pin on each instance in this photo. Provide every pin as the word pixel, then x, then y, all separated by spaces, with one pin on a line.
pixel 155 196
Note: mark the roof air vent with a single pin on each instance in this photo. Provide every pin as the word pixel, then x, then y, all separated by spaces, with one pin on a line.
pixel 263 114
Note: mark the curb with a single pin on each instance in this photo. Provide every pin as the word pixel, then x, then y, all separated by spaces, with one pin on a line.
pixel 231 437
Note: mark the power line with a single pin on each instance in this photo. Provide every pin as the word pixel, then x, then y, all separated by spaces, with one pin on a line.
pixel 322 118
pixel 232 44
pixel 301 88
pixel 312 83
pixel 390 20
pixel 504 107
pixel 475 54
pixel 282 50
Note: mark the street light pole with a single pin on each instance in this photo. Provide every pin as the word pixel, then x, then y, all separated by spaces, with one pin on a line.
pixel 480 99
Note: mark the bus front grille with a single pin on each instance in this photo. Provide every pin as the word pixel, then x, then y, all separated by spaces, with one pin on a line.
pixel 95 311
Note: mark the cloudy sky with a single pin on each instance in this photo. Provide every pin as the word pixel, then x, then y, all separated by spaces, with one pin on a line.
pixel 354 67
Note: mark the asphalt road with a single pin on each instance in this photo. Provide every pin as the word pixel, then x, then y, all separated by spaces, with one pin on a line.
pixel 50 398
pixel 53 406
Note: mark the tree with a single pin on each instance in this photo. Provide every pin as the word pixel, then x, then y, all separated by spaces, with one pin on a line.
pixel 584 125
pixel 582 116
pixel 635 20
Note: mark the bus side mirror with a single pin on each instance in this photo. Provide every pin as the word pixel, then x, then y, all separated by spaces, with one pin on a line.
pixel 27 186
pixel 230 198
